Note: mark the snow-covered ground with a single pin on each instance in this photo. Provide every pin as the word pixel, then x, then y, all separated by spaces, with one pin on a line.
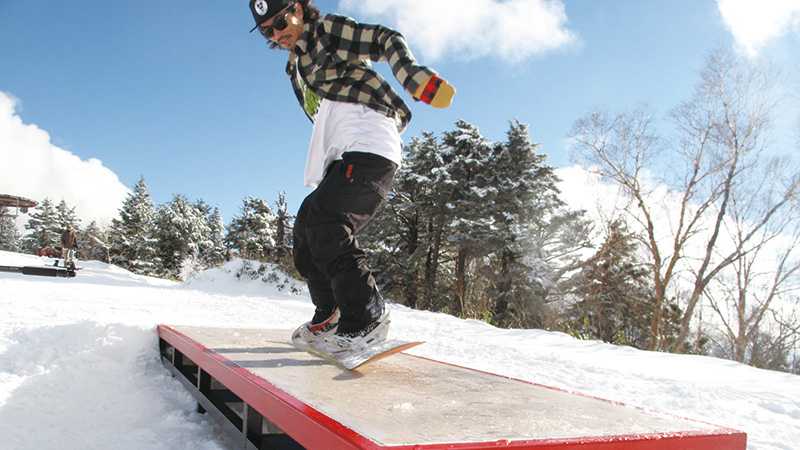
pixel 79 366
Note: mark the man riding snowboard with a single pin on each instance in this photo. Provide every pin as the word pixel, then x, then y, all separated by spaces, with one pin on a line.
pixel 354 152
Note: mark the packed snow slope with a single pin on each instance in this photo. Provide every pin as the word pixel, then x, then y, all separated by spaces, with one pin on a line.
pixel 79 366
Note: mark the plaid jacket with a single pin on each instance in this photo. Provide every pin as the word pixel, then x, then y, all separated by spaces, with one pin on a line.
pixel 332 57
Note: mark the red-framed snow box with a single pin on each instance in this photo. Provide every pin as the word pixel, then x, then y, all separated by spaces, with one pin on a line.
pixel 271 396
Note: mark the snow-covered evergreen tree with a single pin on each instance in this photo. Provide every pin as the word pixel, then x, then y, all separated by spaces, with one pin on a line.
pixel 182 231
pixel 283 226
pixel 93 243
pixel 10 238
pixel 252 232
pixel 43 228
pixel 66 217
pixel 213 251
pixel 525 208
pixel 475 228
pixel 210 247
pixel 472 201
pixel 132 235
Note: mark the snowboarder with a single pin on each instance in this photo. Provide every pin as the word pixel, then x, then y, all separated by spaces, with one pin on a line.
pixel 69 242
pixel 354 152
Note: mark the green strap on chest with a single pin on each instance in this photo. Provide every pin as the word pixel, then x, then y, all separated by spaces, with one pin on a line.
pixel 310 98
pixel 310 101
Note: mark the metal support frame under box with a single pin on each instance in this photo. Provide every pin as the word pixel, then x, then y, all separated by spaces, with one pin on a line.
pixel 239 421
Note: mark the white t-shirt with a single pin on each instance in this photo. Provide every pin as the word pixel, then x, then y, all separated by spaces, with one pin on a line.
pixel 341 127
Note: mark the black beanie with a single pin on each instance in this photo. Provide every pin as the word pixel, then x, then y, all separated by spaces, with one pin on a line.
pixel 264 10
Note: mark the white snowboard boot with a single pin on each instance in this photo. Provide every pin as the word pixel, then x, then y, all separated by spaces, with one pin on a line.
pixel 342 346
pixel 307 334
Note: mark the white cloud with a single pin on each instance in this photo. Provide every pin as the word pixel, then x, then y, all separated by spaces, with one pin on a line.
pixel 31 166
pixel 754 23
pixel 514 30
pixel 583 188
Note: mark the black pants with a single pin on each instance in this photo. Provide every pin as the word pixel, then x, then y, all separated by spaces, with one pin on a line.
pixel 325 249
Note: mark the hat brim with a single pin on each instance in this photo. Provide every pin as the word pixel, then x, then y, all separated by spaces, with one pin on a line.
pixel 258 24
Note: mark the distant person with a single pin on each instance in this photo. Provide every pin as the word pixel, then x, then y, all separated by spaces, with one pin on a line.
pixel 354 152
pixel 69 243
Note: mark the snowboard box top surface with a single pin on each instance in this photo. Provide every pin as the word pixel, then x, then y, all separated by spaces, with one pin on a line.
pixel 412 402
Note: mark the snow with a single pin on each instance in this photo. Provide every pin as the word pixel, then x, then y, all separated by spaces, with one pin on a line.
pixel 79 366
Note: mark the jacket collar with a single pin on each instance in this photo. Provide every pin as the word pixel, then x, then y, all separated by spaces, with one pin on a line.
pixel 301 46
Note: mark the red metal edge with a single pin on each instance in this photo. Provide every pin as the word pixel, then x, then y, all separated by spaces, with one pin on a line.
pixel 306 425
pixel 673 441
pixel 315 430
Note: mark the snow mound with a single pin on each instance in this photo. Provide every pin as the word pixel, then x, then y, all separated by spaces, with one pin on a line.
pixel 95 387
pixel 247 278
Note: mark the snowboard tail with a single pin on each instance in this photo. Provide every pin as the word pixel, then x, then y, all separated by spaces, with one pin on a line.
pixel 353 361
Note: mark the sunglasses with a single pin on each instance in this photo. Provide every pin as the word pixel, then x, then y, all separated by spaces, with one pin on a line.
pixel 279 23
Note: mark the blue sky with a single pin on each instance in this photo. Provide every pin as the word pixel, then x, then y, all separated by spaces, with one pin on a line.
pixel 186 97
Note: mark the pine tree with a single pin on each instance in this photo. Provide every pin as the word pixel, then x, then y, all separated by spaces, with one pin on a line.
pixel 182 231
pixel 615 293
pixel 94 244
pixel 66 217
pixel 252 232
pixel 213 251
pixel 132 236
pixel 460 225
pixel 283 226
pixel 461 222
pixel 466 153
pixel 424 219
pixel 43 228
pixel 210 230
pixel 526 206
pixel 10 238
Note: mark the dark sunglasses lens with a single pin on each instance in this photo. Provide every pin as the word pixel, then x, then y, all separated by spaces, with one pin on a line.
pixel 278 24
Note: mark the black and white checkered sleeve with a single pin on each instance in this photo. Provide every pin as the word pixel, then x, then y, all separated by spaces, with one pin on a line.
pixel 350 40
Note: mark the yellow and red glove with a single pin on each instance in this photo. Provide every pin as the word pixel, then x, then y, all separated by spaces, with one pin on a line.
pixel 436 92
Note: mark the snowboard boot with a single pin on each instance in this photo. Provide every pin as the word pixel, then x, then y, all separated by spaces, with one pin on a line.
pixel 341 345
pixel 321 325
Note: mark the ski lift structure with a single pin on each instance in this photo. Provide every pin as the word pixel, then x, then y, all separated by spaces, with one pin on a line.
pixel 19 205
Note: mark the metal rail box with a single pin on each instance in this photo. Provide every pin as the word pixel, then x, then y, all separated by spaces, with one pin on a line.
pixel 274 397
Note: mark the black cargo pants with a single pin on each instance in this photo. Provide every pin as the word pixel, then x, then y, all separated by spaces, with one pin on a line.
pixel 325 249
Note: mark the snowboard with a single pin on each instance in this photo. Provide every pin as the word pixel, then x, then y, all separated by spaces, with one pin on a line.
pixel 353 361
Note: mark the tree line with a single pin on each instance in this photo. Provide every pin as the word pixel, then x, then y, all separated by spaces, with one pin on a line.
pixel 169 240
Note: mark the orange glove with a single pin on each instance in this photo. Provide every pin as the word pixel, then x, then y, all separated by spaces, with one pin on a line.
pixel 436 92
